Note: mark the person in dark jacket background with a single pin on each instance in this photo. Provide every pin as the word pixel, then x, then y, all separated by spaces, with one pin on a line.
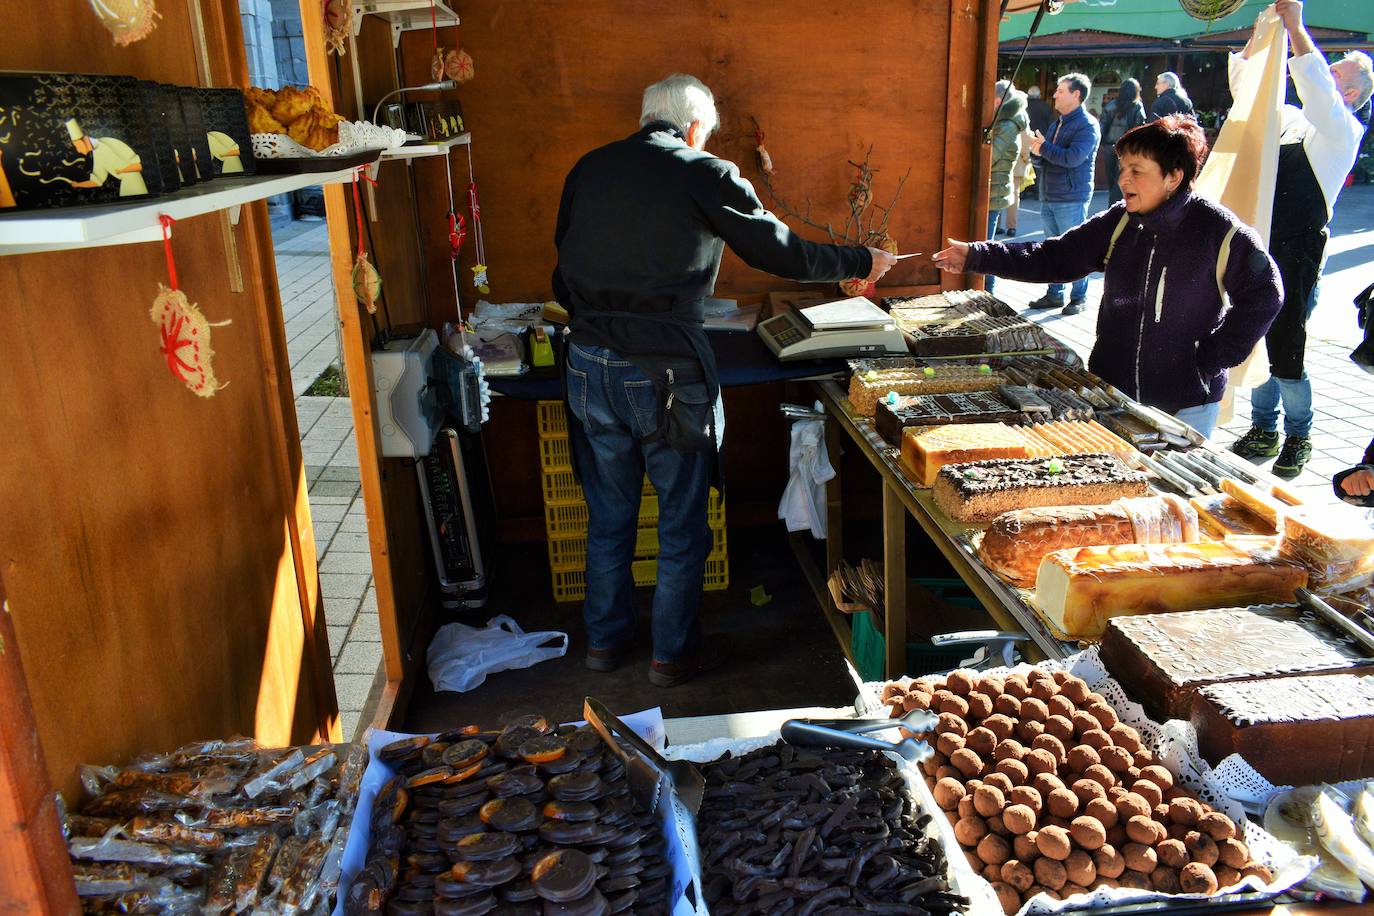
pixel 1124 114
pixel 1356 485
pixel 1064 159
pixel 1007 127
pixel 1163 334
pixel 1038 110
pixel 641 228
pixel 1170 97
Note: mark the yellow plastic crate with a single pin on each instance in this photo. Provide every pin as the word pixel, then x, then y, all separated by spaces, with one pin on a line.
pixel 571 585
pixel 569 519
pixel 562 487
pixel 555 454
pixel 571 553
pixel 553 422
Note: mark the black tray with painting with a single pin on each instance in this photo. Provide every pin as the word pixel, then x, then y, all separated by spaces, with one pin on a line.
pixel 302 164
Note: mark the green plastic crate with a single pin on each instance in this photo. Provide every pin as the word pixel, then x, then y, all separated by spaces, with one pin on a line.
pixel 870 647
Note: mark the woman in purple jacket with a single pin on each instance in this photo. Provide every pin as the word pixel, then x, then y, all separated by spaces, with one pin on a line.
pixel 1165 336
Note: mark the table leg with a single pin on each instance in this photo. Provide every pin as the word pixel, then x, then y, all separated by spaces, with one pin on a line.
pixel 834 520
pixel 894 581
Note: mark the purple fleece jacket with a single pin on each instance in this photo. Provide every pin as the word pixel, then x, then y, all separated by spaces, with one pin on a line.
pixel 1164 338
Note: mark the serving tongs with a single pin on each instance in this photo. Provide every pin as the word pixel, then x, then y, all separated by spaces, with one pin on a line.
pixel 803 733
pixel 646 771
pixel 918 721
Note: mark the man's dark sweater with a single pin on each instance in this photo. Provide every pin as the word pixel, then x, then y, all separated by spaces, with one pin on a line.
pixel 641 228
pixel 1162 337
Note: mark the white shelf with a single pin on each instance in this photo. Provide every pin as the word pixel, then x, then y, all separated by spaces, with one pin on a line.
pixel 404 15
pixel 434 148
pixel 138 221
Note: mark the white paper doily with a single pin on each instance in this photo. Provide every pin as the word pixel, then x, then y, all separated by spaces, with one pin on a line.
pixel 1175 743
pixel 354 137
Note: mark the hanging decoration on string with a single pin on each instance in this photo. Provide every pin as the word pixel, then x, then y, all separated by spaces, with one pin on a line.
pixel 765 160
pixel 479 270
pixel 338 23
pixel 448 63
pixel 184 333
pixel 367 283
pixel 127 20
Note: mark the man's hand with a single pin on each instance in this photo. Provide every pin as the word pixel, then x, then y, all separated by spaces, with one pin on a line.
pixel 953 258
pixel 1360 483
pixel 883 261
pixel 1037 140
pixel 1290 11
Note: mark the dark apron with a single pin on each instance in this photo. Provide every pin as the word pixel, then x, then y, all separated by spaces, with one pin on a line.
pixel 1297 240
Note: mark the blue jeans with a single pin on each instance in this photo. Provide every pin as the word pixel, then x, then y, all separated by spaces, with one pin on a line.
pixel 618 409
pixel 993 216
pixel 1202 418
pixel 1059 217
pixel 1296 395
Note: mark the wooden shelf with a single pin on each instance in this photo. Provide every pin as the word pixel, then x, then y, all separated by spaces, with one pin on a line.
pixel 138 221
pixel 432 148
pixel 404 15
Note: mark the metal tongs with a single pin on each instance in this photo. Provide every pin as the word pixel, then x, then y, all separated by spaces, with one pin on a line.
pixel 798 412
pixel 850 734
pixel 645 774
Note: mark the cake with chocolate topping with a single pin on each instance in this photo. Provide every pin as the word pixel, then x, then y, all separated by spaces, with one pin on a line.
pixel 1294 731
pixel 980 491
pixel 1163 659
pixel 940 410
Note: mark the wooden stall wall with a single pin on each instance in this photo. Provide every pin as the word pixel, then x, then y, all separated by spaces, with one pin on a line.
pixel 825 81
pixel 156 546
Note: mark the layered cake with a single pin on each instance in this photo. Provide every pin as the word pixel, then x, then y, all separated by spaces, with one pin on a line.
pixel 869 387
pixel 1017 541
pixel 1078 591
pixel 940 410
pixel 1069 437
pixel 925 451
pixel 1294 731
pixel 1335 543
pixel 1225 516
pixel 1162 659
pixel 981 491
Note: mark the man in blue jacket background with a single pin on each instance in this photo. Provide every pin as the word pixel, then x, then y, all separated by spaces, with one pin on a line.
pixel 1064 163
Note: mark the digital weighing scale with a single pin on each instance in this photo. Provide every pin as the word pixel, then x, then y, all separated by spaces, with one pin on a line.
pixel 848 327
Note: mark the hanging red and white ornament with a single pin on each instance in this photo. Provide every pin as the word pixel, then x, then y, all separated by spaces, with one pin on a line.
pixel 184 332
pixel 338 23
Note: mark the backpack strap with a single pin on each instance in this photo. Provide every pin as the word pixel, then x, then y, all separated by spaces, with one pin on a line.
pixel 1116 234
pixel 1223 256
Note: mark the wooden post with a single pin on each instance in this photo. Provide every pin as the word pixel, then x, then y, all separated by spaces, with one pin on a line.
pixel 894 580
pixel 834 514
pixel 967 159
pixel 35 873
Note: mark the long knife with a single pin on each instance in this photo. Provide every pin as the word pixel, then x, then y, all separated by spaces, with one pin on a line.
pixel 1335 618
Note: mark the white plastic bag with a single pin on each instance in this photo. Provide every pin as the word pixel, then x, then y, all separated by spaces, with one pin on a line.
pixel 461 657
pixel 803 501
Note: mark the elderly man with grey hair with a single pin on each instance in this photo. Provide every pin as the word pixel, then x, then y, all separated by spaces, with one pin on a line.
pixel 1318 144
pixel 641 228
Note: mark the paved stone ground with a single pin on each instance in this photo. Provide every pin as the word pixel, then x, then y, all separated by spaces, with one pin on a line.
pixel 331 467
pixel 1342 395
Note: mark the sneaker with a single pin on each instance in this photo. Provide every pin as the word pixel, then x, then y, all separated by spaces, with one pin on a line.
pixel 1011 232
pixel 1075 307
pixel 1046 302
pixel 1257 443
pixel 1296 452
pixel 604 659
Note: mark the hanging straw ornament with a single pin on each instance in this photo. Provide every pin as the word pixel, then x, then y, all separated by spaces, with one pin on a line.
pixel 765 160
pixel 184 333
pixel 338 23
pixel 127 20
pixel 367 283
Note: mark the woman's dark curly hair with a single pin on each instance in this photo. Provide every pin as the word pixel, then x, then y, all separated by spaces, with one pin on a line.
pixel 1175 142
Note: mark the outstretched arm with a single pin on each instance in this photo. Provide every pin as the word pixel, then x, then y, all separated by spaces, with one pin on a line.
pixel 1290 11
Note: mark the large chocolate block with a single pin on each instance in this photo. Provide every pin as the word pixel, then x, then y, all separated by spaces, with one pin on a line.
pixel 1163 659
pixel 940 410
pixel 1294 731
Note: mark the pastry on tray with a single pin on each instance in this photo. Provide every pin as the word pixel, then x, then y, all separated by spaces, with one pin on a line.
pixel 1078 591
pixel 1017 541
pixel 1163 659
pixel 982 490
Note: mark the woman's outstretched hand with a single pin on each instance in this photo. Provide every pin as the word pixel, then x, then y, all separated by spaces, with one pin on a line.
pixel 952 258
